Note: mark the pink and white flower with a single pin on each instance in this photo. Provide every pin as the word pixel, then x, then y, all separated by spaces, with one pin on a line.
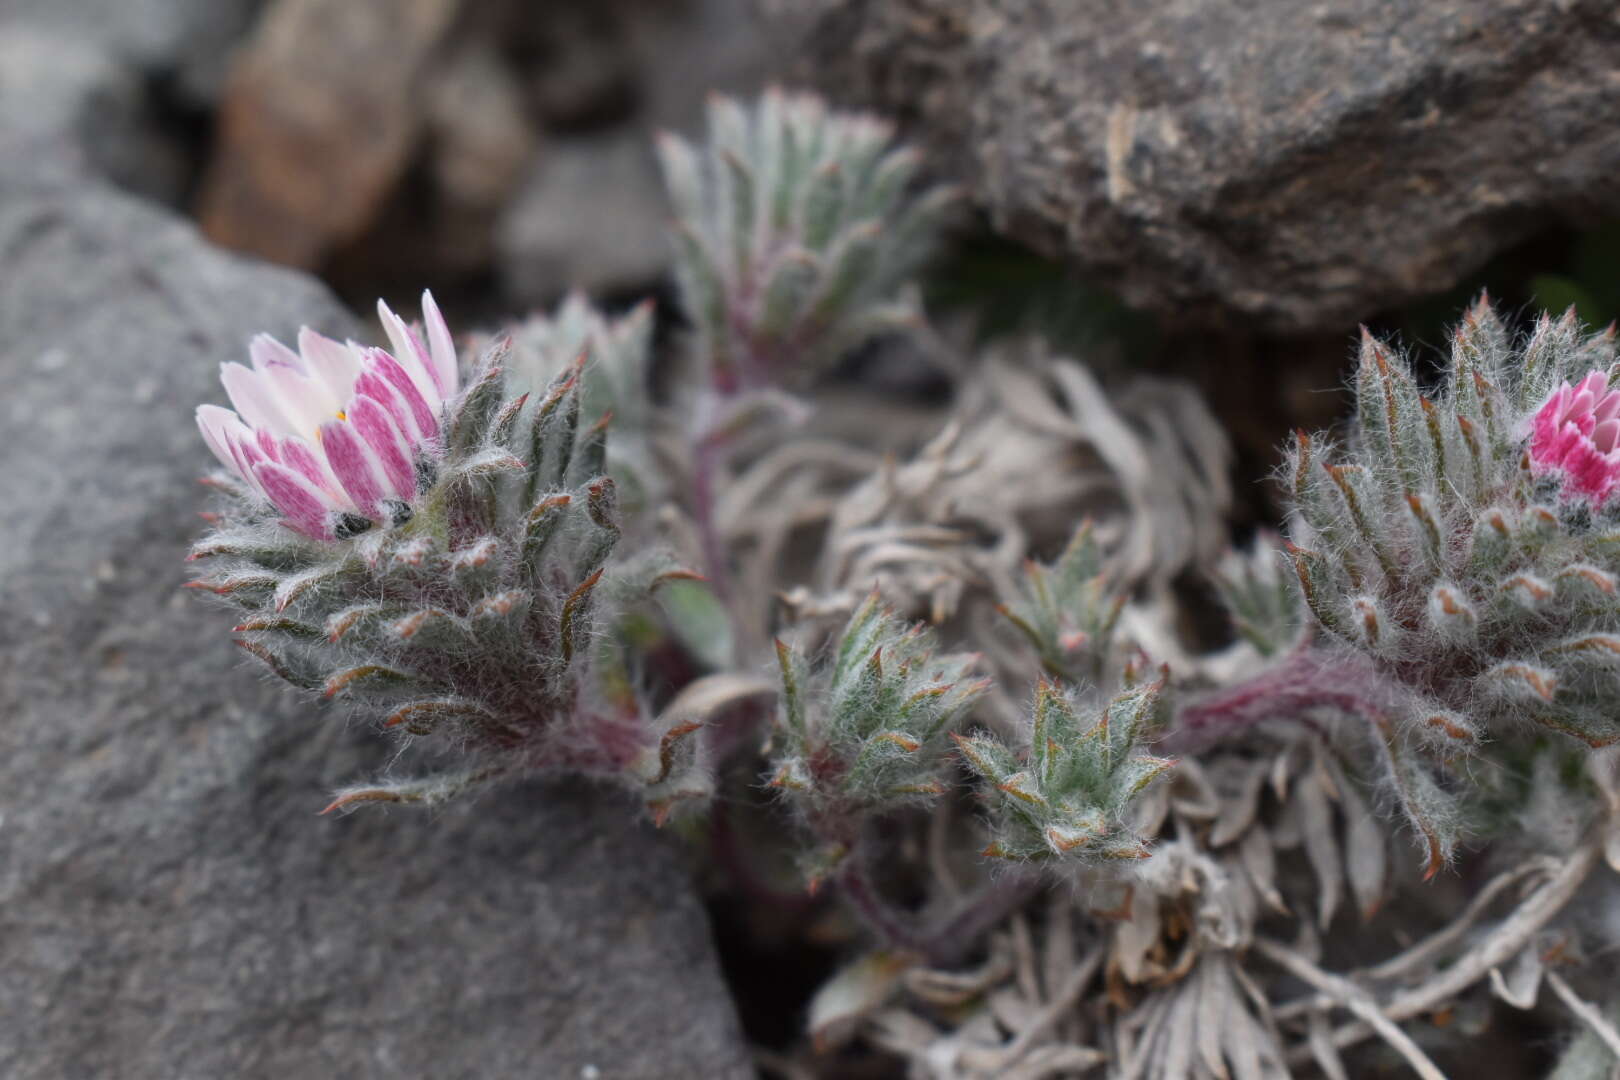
pixel 333 433
pixel 1576 432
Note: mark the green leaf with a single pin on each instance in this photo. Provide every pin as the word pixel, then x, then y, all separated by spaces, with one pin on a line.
pixel 699 621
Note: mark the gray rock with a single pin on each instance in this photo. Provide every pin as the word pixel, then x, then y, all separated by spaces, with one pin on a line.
pixel 1304 164
pixel 184 41
pixel 683 52
pixel 170 904
pixel 591 215
pixel 66 97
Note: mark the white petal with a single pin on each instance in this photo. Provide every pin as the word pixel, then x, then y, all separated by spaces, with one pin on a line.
pixel 267 353
pixel 218 427
pixel 306 402
pixel 442 346
pixel 255 399
pixel 332 362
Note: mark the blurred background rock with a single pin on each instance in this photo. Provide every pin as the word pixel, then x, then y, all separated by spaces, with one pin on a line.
pixel 491 149
pixel 1222 197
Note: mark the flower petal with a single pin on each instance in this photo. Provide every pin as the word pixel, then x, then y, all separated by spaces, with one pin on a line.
pixel 268 444
pixel 372 385
pixel 268 354
pixel 1607 408
pixel 372 422
pixel 306 402
pixel 216 424
pixel 1580 406
pixel 246 455
pixel 354 465
pixel 333 363
pixel 1605 435
pixel 254 399
pixel 306 508
pixel 410 354
pixel 300 457
pixel 441 346
pixel 423 411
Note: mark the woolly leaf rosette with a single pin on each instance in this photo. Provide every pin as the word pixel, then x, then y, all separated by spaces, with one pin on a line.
pixel 866 733
pixel 1067 795
pixel 796 226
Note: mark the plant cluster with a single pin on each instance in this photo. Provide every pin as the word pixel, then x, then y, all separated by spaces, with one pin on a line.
pixel 1457 558
pixel 940 652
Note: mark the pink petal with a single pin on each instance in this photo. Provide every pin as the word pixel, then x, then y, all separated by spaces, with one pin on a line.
pixel 1595 383
pixel 1580 406
pixel 1558 404
pixel 1608 408
pixel 354 466
pixel 239 447
pixel 410 355
pixel 1605 434
pixel 1544 431
pixel 1571 443
pixel 267 444
pixel 371 421
pixel 306 508
pixel 300 457
pixel 374 386
pixel 427 422
pixel 306 401
pixel 1588 471
pixel 441 345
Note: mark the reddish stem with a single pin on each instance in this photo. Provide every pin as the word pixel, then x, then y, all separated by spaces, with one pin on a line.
pixel 716 559
pixel 944 942
pixel 1307 678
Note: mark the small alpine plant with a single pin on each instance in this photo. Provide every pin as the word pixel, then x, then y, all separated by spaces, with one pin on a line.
pixel 866 733
pixel 433 552
pixel 1457 553
pixel 1068 793
pixel 797 226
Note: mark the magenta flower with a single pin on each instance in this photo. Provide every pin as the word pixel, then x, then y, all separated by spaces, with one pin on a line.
pixel 1575 432
pixel 333 435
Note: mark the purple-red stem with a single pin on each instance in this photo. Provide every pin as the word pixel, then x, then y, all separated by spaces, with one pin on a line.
pixel 947 941
pixel 717 562
pixel 729 852
pixel 892 925
pixel 1308 677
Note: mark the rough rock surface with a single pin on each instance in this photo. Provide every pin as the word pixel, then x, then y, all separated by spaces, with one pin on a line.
pixel 1305 164
pixel 170 904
